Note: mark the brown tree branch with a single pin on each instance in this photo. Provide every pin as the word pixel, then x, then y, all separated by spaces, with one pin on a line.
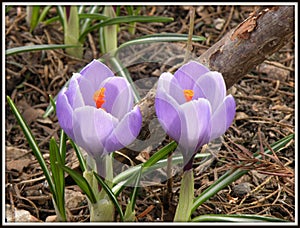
pixel 235 58
pixel 239 51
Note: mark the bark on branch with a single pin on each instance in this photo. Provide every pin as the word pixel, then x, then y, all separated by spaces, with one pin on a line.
pixel 235 58
pixel 239 51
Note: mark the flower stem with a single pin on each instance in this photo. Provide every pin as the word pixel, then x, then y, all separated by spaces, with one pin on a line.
pixel 185 204
pixel 103 210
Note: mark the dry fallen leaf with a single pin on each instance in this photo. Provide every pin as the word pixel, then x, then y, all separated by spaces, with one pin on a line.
pixel 18 165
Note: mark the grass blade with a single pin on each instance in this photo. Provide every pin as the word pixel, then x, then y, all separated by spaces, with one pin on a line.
pixel 96 16
pixel 235 218
pixel 162 153
pixel 128 176
pixel 79 156
pixel 87 22
pixel 33 16
pixel 135 190
pixel 51 20
pixel 32 143
pixel 62 145
pixel 135 18
pixel 17 50
pixel 58 178
pixel 110 194
pixel 123 19
pixel 130 212
pixel 44 13
pixel 165 37
pixel 61 15
pixel 82 183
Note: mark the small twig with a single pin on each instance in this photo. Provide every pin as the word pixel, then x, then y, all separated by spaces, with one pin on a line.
pixel 279 65
pixel 279 191
pixel 247 207
pixel 262 151
pixel 93 46
pixel 191 30
pixel 255 190
pixel 23 198
pixel 37 89
pixel 146 211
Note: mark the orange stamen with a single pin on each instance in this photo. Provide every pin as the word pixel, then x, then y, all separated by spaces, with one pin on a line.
pixel 99 97
pixel 188 94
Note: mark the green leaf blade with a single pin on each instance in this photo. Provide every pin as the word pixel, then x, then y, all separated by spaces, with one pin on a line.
pixel 123 19
pixel 153 38
pixel 17 50
pixel 235 218
pixel 110 194
pixel 82 183
pixel 32 143
pixel 58 177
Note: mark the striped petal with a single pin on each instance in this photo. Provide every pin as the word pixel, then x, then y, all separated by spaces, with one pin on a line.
pixel 64 113
pixel 96 72
pixel 188 74
pixel 91 127
pixel 118 96
pixel 223 117
pixel 212 87
pixel 195 121
pixel 170 85
pixel 125 132
pixel 168 114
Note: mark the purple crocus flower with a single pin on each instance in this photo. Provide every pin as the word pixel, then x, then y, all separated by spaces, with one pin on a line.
pixel 97 110
pixel 193 108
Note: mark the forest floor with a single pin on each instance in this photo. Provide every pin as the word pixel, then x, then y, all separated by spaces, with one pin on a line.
pixel 265 113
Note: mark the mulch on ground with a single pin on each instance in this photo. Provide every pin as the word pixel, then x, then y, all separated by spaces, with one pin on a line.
pixel 265 113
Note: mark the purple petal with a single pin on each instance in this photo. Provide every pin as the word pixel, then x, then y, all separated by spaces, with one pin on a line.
pixel 212 87
pixel 87 91
pixel 195 121
pixel 188 74
pixel 223 117
pixel 167 112
pixel 91 128
pixel 96 72
pixel 64 113
pixel 118 96
pixel 125 132
pixel 169 84
pixel 73 92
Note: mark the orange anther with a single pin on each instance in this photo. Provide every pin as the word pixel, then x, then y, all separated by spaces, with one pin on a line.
pixel 188 94
pixel 99 97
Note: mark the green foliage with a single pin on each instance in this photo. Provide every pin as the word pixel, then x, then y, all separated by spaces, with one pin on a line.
pixel 82 183
pixel 42 47
pixel 235 218
pixel 77 24
pixel 72 31
pixel 57 156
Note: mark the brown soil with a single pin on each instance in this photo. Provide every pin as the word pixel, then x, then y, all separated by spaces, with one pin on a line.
pixel 265 113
